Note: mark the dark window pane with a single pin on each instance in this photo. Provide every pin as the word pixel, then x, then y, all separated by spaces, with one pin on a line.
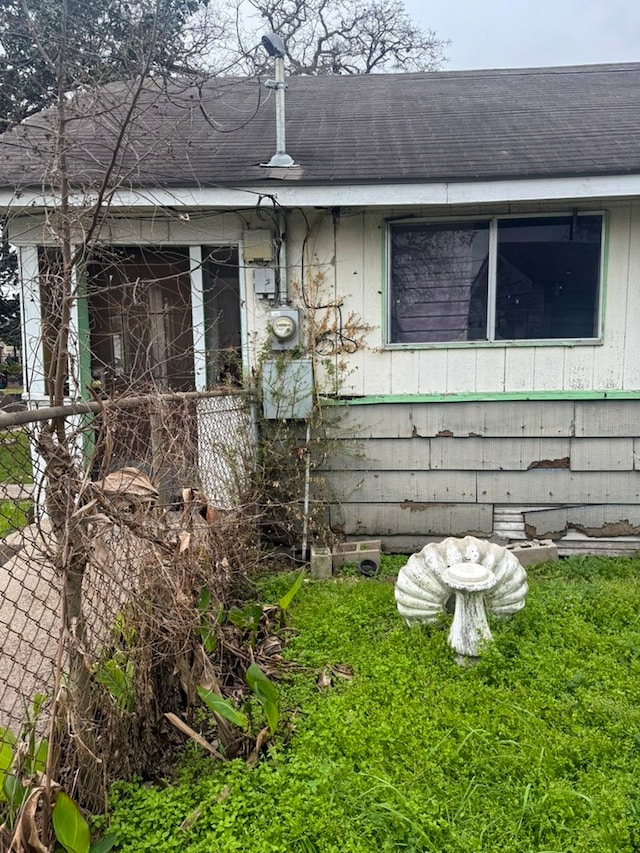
pixel 548 277
pixel 222 315
pixel 140 318
pixel 439 282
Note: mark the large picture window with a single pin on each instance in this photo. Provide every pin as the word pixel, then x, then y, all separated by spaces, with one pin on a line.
pixel 500 279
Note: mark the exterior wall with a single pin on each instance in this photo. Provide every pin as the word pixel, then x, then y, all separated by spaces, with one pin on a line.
pixel 507 440
pixel 410 473
pixel 444 439
pixel 337 257
pixel 348 251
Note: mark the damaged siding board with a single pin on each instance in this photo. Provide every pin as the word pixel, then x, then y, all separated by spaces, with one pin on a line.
pixel 415 519
pixel 413 470
pixel 598 520
pixel 615 418
pixel 602 454
pixel 509 419
pixel 522 419
pixel 399 486
pixel 558 486
pixel 490 454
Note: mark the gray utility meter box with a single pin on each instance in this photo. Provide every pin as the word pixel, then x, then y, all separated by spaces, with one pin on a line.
pixel 285 328
pixel 264 282
pixel 287 389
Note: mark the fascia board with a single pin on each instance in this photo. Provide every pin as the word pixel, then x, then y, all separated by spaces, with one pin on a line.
pixel 289 194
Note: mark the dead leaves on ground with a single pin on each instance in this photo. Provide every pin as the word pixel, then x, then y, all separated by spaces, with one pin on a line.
pixel 329 673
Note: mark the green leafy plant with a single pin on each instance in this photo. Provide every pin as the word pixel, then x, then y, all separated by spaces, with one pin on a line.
pixel 117 672
pixel 247 619
pixel 23 760
pixel 206 628
pixel 72 830
pixel 223 708
pixel 266 693
pixel 284 602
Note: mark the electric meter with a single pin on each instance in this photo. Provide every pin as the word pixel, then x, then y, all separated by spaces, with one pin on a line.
pixel 285 328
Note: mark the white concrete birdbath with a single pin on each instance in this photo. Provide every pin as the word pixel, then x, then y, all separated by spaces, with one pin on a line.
pixel 482 576
pixel 469 629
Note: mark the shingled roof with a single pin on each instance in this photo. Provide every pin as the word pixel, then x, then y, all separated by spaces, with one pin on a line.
pixel 441 126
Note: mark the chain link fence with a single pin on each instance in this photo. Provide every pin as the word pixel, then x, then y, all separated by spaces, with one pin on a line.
pixel 123 524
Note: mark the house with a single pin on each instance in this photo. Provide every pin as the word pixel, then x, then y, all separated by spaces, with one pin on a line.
pixel 462 249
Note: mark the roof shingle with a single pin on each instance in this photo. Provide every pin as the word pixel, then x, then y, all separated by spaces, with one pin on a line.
pixel 439 126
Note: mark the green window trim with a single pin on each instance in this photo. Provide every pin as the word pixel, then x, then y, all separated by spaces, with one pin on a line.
pixel 492 339
pixel 479 397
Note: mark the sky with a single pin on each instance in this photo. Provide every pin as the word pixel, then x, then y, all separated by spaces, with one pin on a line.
pixel 525 33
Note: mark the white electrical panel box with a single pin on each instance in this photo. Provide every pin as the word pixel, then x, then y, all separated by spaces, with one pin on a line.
pixel 287 389
pixel 258 246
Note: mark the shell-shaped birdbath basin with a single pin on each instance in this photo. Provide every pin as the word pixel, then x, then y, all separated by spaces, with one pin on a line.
pixel 480 577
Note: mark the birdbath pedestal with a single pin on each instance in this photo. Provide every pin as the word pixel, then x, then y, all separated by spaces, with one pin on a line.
pixel 470 629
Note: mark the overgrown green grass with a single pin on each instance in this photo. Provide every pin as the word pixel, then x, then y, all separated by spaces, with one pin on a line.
pixel 535 749
pixel 15 457
pixel 14 515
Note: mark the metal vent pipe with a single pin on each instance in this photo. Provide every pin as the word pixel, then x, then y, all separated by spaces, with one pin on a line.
pixel 275 47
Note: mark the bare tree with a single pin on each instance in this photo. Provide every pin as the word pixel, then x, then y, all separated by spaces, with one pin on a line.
pixel 110 98
pixel 323 37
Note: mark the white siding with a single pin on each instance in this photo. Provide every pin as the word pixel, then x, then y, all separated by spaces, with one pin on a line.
pixel 613 364
pixel 630 261
pixel 346 251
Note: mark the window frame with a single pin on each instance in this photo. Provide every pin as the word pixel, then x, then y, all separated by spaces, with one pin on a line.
pixel 492 341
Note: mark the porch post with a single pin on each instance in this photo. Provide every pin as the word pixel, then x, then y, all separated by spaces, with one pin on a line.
pixel 197 318
pixel 32 343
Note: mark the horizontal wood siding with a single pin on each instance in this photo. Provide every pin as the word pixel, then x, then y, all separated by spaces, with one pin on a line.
pixel 607 419
pixel 597 520
pixel 402 486
pixel 509 419
pixel 438 469
pixel 559 486
pixel 602 454
pixel 481 454
pixel 415 519
pixel 496 454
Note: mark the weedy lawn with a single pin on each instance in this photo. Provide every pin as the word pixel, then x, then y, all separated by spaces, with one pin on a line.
pixel 535 749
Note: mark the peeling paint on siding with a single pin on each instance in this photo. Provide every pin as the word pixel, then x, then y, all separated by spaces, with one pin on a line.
pixel 415 506
pixel 617 528
pixel 550 463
